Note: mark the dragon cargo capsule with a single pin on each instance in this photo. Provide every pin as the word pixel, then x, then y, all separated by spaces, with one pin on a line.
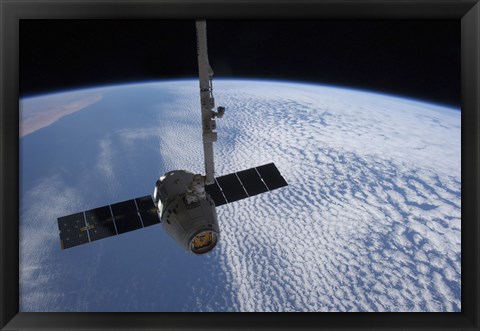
pixel 190 219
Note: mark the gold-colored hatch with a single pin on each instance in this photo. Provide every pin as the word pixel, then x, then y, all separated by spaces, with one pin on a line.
pixel 203 242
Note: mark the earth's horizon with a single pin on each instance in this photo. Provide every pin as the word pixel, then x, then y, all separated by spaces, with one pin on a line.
pixel 26 123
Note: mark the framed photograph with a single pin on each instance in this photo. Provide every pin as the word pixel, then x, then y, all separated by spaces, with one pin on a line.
pixel 163 160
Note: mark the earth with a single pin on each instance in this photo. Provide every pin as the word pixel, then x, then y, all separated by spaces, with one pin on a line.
pixel 370 220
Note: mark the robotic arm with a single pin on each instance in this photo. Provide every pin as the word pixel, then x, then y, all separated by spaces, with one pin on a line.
pixel 207 101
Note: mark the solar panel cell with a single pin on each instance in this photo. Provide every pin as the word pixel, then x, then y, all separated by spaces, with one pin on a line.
pixel 216 194
pixel 124 208
pixel 252 182
pixel 126 223
pixel 72 230
pixel 102 230
pixel 145 203
pixel 149 217
pixel 271 176
pixel 98 215
pixel 231 187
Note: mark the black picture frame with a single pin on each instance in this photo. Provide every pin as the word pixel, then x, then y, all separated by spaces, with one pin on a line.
pixel 11 11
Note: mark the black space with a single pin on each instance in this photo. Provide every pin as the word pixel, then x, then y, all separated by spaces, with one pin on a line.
pixel 414 58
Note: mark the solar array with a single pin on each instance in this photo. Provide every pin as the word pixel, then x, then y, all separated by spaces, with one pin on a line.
pixel 111 220
pixel 107 221
pixel 244 184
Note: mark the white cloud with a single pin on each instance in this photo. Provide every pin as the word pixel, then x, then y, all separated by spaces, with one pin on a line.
pixel 333 172
pixel 39 239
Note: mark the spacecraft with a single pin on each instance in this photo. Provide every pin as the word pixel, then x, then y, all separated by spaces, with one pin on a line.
pixel 183 202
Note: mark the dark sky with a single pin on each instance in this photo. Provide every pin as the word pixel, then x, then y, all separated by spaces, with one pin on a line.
pixel 416 58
